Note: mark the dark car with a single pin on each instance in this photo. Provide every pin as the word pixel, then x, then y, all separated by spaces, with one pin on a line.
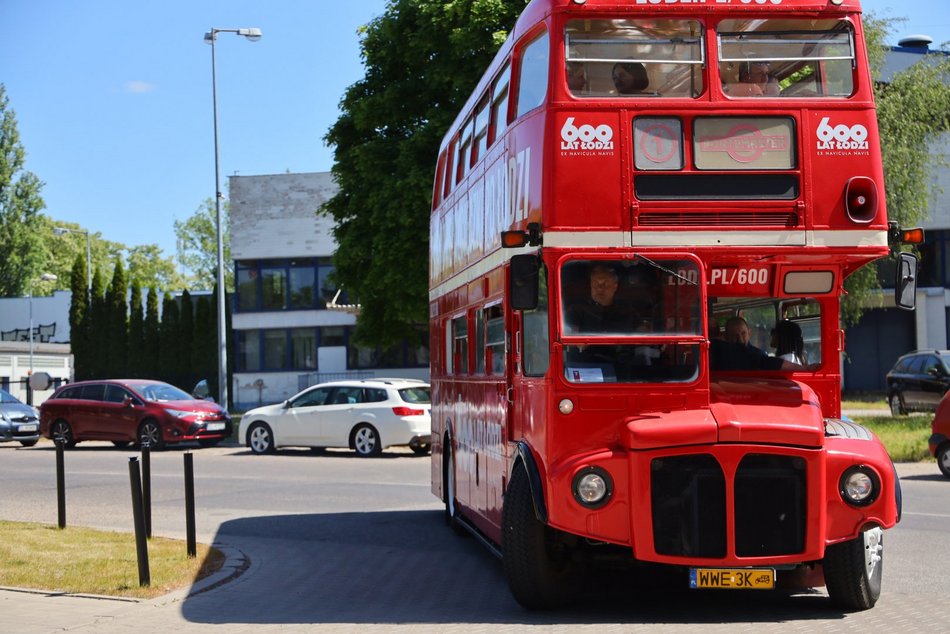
pixel 918 381
pixel 131 411
pixel 18 421
pixel 940 436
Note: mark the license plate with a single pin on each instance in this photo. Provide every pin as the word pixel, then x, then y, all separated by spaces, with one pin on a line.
pixel 24 428
pixel 732 578
pixel 215 426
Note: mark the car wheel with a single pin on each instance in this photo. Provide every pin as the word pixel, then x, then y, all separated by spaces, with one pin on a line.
pixel 896 401
pixel 61 432
pixel 121 443
pixel 27 443
pixel 538 578
pixel 853 570
pixel 260 439
pixel 365 440
pixel 943 459
pixel 150 433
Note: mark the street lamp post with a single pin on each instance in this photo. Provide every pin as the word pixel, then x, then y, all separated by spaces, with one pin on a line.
pixel 45 277
pixel 252 34
pixel 64 230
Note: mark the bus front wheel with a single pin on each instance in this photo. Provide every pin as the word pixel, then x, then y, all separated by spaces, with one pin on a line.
pixel 853 570
pixel 538 575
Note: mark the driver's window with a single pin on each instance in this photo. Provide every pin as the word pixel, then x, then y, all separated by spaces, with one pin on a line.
pixel 311 398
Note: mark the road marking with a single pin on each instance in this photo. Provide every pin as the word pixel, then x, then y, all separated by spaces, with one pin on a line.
pixel 927 514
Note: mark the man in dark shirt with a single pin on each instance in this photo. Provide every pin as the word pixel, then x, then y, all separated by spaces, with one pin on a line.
pixel 600 313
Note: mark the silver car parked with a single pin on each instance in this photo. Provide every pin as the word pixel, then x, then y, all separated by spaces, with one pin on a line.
pixel 18 422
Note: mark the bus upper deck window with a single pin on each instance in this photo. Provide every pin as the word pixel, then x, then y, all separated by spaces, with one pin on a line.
pixel 634 58
pixel 786 58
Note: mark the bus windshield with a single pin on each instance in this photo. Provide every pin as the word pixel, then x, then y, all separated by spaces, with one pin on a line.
pixel 657 301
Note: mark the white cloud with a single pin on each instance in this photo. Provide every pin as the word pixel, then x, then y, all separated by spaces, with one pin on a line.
pixel 139 86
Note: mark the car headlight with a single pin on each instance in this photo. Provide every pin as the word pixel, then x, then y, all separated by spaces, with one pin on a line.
pixel 859 485
pixel 177 413
pixel 592 487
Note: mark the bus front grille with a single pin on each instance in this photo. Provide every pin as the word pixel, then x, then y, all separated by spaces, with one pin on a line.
pixel 689 506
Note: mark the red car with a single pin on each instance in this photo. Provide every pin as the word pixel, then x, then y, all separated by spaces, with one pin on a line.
pixel 131 411
pixel 940 436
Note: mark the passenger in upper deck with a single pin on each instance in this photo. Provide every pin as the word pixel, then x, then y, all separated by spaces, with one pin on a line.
pixel 576 77
pixel 630 78
pixel 754 81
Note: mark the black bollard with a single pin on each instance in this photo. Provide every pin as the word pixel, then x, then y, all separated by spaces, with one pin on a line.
pixel 60 484
pixel 141 542
pixel 190 504
pixel 147 488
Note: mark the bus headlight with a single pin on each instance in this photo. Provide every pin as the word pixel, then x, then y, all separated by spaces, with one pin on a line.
pixel 859 486
pixel 592 487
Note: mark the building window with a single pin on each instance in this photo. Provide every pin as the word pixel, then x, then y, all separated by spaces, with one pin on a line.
pixel 274 288
pixel 248 291
pixel 302 286
pixel 332 336
pixel 249 350
pixel 303 346
pixel 264 285
pixel 275 349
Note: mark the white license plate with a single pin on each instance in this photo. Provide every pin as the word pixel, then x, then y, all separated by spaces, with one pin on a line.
pixel 215 426
pixel 27 428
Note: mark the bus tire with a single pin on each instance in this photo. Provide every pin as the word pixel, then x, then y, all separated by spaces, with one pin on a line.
pixel 448 477
pixel 538 579
pixel 853 571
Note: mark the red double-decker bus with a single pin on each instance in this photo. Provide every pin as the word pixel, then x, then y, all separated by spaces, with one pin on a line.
pixel 642 222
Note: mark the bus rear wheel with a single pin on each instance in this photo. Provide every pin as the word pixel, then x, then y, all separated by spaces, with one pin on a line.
pixel 853 571
pixel 538 577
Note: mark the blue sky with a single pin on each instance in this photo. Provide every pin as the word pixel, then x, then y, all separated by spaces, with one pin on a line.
pixel 113 97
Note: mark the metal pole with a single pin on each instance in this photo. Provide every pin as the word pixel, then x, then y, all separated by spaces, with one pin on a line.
pixel 60 484
pixel 147 488
pixel 29 389
pixel 141 542
pixel 190 505
pixel 222 323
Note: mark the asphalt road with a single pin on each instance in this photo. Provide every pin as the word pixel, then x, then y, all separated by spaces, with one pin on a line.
pixel 353 543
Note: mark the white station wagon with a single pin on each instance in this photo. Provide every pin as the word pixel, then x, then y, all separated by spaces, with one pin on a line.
pixel 365 415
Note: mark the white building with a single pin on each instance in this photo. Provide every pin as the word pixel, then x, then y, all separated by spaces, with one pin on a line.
pixel 50 349
pixel 285 338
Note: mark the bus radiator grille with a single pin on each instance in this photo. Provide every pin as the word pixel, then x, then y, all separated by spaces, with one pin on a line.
pixel 689 506
pixel 719 219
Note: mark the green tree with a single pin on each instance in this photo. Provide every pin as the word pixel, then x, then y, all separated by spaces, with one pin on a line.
pixel 203 359
pixel 136 347
pixel 185 338
pixel 149 267
pixel 152 336
pixel 97 329
pixel 386 143
pixel 78 316
pixel 20 210
pixel 168 357
pixel 913 109
pixel 198 245
pixel 118 309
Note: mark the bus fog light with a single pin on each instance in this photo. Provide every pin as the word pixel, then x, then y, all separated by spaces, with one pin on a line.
pixel 859 486
pixel 566 406
pixel 592 487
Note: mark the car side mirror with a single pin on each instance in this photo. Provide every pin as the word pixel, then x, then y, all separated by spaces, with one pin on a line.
pixel 905 283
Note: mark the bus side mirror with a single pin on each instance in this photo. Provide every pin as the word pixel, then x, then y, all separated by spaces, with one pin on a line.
pixel 523 282
pixel 905 285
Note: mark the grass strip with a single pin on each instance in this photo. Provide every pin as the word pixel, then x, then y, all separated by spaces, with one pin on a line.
pixel 89 561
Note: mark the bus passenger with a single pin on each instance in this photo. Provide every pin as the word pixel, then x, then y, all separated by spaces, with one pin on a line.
pixel 789 344
pixel 755 81
pixel 736 353
pixel 576 77
pixel 630 78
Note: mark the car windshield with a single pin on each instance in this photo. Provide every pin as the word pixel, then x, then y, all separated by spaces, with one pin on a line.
pixel 159 392
pixel 415 395
pixel 6 397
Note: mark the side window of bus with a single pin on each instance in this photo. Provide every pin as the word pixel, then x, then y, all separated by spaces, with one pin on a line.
pixel 460 345
pixel 499 107
pixel 480 145
pixel 439 184
pixel 451 164
pixel 533 75
pixel 535 339
pixel 495 339
pixel 464 153
pixel 480 341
